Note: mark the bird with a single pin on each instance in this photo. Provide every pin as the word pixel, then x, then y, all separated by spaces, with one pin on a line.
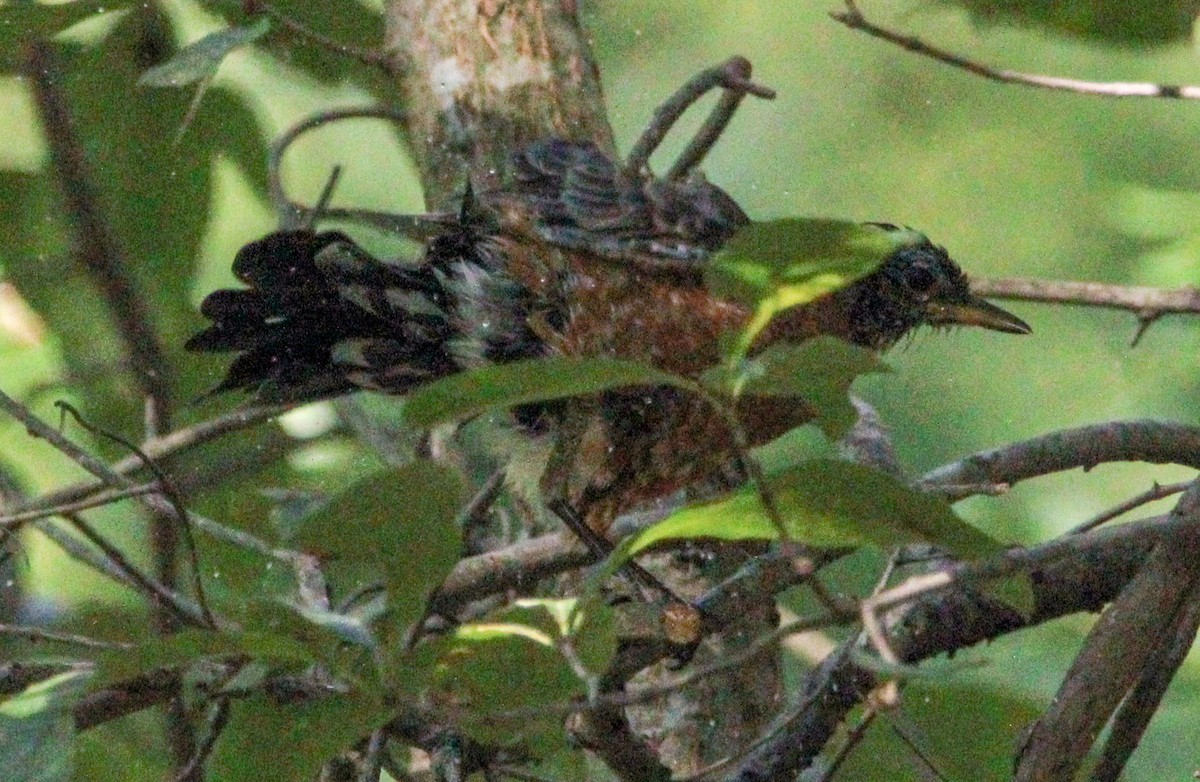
pixel 578 255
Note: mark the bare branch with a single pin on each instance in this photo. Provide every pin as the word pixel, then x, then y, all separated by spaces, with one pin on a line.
pixel 1117 652
pixel 73 639
pixel 1142 702
pixel 159 447
pixel 1158 442
pixel 1084 573
pixel 854 19
pixel 14 521
pixel 1153 494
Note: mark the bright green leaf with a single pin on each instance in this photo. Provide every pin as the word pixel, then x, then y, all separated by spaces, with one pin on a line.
pixel 775 265
pixel 43 695
pixel 588 623
pixel 403 519
pixel 477 673
pixel 200 60
pixel 828 503
pixel 36 728
pixel 24 22
pixel 534 380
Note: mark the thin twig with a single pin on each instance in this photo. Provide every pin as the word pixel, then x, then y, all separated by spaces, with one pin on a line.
pixel 1156 492
pixel 178 514
pixel 372 764
pixel 371 57
pixel 42 634
pixel 157 448
pixel 14 521
pixel 857 734
pixel 38 428
pixel 1142 703
pixel 293 214
pixel 854 19
pixel 733 75
pixel 917 751
pixel 218 719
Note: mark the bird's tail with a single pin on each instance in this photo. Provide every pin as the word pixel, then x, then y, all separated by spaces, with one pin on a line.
pixel 322 317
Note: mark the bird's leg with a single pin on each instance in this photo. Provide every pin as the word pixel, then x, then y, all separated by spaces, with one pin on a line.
pixel 650 586
pixel 563 463
pixel 734 76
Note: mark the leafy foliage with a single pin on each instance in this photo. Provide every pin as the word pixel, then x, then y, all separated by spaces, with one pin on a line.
pixel 827 503
pixel 400 519
pixel 1109 21
pixel 819 371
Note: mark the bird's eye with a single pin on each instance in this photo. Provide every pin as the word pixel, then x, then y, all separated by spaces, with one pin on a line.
pixel 919 279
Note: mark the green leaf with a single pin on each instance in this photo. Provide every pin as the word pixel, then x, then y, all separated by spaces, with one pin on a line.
pixel 819 371
pixel 1108 21
pixel 828 503
pixel 188 646
pixel 501 675
pixel 21 23
pixel 589 625
pixel 402 519
pixel 356 24
pixel 268 740
pixel 773 266
pixel 534 380
pixel 200 60
pixel 36 728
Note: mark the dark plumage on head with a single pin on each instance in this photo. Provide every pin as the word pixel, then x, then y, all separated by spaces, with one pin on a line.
pixel 918 285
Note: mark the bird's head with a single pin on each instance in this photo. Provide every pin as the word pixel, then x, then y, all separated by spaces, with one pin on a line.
pixel 918 285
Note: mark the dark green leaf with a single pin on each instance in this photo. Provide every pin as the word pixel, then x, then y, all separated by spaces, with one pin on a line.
pixel 188 646
pixel 353 24
pixel 267 740
pixel 534 380
pixel 478 674
pixel 1108 21
pixel 828 503
pixel 819 371
pixel 200 60
pixel 155 198
pixel 403 519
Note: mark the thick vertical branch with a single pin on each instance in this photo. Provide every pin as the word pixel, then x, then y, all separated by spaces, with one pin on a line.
pixel 481 78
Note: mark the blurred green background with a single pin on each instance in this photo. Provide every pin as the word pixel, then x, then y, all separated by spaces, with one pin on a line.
pixel 1013 181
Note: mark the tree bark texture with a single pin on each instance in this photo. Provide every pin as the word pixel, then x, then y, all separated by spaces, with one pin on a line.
pixel 481 78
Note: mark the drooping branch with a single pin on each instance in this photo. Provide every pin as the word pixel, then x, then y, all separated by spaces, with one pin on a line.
pixel 854 19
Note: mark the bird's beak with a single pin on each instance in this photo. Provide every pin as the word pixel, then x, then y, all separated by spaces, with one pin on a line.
pixel 975 312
